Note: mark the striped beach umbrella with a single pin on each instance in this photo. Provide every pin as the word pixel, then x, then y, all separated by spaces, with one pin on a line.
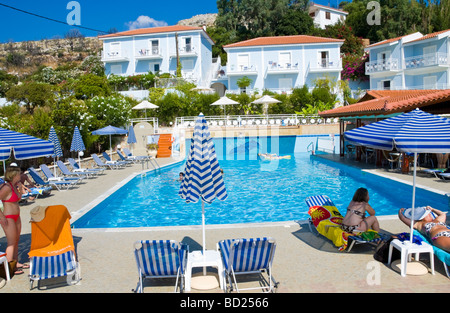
pixel 77 141
pixel 412 132
pixel 24 146
pixel 202 176
pixel 54 138
pixel 57 146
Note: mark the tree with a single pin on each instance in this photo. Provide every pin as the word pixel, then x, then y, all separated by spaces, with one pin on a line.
pixel 294 22
pixel 90 85
pixel 33 94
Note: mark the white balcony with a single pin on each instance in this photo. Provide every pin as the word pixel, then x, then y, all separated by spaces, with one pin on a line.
pixel 382 66
pixel 187 51
pixel 427 62
pixel 148 54
pixel 115 56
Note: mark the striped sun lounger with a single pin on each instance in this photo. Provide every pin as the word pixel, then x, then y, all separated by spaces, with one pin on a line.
pixel 247 256
pixel 160 259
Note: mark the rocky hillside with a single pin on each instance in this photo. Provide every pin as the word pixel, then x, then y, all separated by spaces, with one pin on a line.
pixel 22 58
pixel 200 20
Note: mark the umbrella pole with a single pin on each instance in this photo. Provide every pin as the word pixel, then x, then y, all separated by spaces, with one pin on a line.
pixel 413 199
pixel 110 148
pixel 203 229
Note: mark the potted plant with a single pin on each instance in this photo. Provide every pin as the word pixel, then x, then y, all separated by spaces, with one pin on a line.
pixel 152 149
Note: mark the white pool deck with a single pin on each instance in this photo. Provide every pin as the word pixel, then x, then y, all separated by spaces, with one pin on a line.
pixel 303 261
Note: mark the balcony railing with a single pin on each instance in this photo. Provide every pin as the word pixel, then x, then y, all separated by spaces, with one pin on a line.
pixel 431 59
pixel 148 53
pixel 325 65
pixel 382 66
pixel 114 56
pixel 241 69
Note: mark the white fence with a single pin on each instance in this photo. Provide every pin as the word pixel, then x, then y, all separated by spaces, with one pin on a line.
pixel 256 120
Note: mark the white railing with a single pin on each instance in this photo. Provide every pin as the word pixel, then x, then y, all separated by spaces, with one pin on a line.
pixel 271 120
pixel 153 120
pixel 382 65
pixel 240 69
pixel 153 52
pixel 115 55
pixel 325 64
pixel 431 59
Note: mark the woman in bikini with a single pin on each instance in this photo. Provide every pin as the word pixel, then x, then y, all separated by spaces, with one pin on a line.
pixel 355 219
pixel 432 227
pixel 10 217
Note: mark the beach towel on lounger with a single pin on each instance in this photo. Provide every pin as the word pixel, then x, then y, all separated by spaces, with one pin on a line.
pixel 327 221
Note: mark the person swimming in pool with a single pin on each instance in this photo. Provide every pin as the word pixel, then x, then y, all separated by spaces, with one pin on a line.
pixel 434 228
pixel 273 156
pixel 10 217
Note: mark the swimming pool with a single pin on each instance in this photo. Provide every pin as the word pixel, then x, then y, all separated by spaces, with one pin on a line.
pixel 258 191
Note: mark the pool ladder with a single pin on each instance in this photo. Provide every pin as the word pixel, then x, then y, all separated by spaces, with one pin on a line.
pixel 310 148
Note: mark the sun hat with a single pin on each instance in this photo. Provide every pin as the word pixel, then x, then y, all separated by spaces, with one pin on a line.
pixel 37 214
pixel 14 165
pixel 419 213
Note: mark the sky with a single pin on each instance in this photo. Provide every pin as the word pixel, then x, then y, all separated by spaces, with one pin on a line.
pixel 98 15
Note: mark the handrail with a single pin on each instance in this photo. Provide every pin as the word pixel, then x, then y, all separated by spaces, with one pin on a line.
pixel 311 144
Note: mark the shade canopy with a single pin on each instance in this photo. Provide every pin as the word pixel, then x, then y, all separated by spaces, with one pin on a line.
pixel 224 101
pixel 202 176
pixel 24 146
pixel 145 105
pixel 266 100
pixel 110 130
pixel 416 131
pixel 412 132
pixel 77 141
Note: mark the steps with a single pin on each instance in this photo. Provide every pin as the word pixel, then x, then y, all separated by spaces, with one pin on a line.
pixel 164 146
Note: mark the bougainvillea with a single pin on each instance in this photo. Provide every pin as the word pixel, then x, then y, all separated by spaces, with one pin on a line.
pixel 354 67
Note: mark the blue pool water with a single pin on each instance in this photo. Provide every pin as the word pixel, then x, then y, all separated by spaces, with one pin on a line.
pixel 258 191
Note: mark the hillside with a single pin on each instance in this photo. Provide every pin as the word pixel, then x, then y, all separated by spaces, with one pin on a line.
pixel 23 58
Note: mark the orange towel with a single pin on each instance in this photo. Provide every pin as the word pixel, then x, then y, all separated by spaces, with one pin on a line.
pixel 52 235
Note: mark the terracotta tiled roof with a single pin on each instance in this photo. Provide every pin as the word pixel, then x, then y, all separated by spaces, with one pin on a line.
pixel 431 35
pixel 386 41
pixel 152 30
pixel 382 102
pixel 282 40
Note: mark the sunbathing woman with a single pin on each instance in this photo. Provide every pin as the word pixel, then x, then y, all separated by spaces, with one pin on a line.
pixel 355 218
pixel 426 224
pixel 10 217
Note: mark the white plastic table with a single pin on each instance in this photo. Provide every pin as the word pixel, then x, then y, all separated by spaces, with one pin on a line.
pixel 4 260
pixel 406 248
pixel 197 259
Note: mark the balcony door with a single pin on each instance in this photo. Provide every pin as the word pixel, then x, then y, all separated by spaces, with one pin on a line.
pixel 154 46
pixel 284 59
pixel 243 62
pixel 324 58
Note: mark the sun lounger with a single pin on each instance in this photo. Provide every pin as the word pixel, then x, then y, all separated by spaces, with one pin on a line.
pixel 101 164
pixel 119 163
pixel 442 255
pixel 444 176
pixel 50 177
pixel 56 183
pixel 52 251
pixel 68 173
pixel 88 171
pixel 160 259
pixel 248 256
pixel 130 156
pixel 326 219
pixel 124 159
